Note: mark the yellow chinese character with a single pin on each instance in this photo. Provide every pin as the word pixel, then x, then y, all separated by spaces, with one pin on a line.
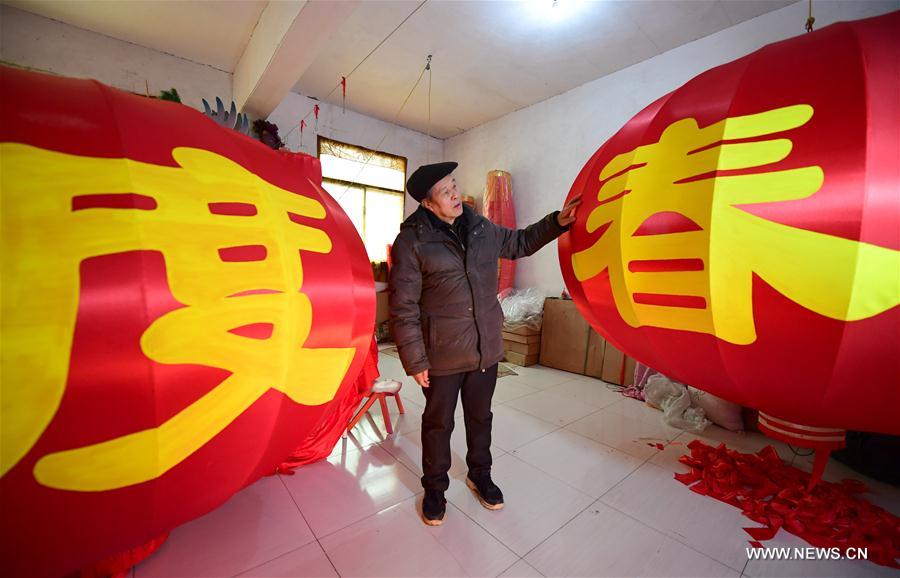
pixel 44 242
pixel 724 245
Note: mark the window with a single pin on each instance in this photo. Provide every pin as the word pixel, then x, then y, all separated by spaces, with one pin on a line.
pixel 369 187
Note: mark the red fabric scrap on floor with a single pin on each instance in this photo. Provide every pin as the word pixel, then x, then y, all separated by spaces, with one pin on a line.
pixel 774 494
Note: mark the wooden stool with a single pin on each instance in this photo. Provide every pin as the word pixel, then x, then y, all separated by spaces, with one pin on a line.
pixel 380 390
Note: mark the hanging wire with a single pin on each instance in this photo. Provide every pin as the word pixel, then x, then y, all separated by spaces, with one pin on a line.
pixel 810 20
pixel 385 39
pixel 800 454
pixel 428 122
pixel 392 126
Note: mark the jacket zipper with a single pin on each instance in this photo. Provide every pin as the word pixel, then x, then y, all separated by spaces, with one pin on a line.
pixel 474 313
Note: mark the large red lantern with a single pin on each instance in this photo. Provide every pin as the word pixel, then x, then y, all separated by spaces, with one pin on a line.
pixel 741 233
pixel 181 307
pixel 498 207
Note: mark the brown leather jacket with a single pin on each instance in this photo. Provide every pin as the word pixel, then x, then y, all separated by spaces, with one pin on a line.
pixel 444 312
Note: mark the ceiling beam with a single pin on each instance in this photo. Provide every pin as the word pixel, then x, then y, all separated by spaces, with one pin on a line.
pixel 286 41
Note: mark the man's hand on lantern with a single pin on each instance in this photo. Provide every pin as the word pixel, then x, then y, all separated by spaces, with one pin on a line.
pixel 567 216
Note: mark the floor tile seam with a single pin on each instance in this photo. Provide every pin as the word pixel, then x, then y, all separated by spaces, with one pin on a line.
pixel 508 568
pixel 511 565
pixel 291 551
pixel 331 533
pixel 532 416
pixel 474 521
pixel 487 530
pixel 414 495
pixel 525 378
pixel 596 441
pixel 542 387
pixel 510 452
pixel 296 505
pixel 452 555
pixel 408 468
pixel 522 557
pixel 631 473
pixel 554 477
pixel 550 391
pixel 579 490
pixel 305 521
pixel 595 410
pixel 514 398
pixel 567 522
pixel 667 535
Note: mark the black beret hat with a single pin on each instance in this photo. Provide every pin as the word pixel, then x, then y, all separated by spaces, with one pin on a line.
pixel 425 177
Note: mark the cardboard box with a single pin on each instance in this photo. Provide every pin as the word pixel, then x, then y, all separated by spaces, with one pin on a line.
pixel 523 348
pixel 617 367
pixel 570 344
pixel 595 350
pixel 521 330
pixel 381 307
pixel 564 336
pixel 521 359
pixel 534 338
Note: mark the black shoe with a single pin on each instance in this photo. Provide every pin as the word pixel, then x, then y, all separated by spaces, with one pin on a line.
pixel 486 491
pixel 433 507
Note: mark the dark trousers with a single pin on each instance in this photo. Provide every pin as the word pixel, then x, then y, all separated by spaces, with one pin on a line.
pixel 477 388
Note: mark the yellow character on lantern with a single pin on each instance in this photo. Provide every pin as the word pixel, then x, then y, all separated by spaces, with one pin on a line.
pixel 49 240
pixel 700 279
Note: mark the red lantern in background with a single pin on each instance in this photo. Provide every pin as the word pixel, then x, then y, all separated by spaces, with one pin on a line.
pixel 741 234
pixel 181 307
pixel 498 207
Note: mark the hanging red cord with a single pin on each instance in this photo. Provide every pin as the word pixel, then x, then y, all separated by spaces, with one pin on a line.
pixel 316 113
pixel 344 91
pixel 302 126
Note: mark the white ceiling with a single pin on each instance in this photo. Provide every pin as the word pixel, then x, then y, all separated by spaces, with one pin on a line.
pixel 208 32
pixel 490 57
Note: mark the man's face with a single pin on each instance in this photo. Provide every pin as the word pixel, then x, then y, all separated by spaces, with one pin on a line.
pixel 445 200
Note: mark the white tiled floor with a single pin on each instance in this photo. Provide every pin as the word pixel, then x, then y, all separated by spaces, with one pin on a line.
pixel 586 495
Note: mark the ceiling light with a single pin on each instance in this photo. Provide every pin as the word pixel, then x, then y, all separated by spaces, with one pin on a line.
pixel 553 10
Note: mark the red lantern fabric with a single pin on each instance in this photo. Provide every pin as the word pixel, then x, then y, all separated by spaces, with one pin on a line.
pixel 498 208
pixel 740 234
pixel 181 307
pixel 321 442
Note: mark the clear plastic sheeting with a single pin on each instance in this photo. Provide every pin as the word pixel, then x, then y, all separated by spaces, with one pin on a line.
pixel 523 307
pixel 674 400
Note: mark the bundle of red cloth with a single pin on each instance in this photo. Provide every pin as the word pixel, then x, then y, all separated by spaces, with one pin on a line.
pixel 774 494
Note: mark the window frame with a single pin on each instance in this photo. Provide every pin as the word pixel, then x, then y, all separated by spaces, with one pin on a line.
pixel 365 187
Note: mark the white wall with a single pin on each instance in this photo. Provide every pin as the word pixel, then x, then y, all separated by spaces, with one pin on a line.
pixel 545 145
pixel 39 43
pixel 357 129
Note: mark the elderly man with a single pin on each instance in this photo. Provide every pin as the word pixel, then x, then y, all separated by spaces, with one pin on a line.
pixel 446 321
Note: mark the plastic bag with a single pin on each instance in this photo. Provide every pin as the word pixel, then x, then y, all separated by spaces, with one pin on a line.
pixel 523 307
pixel 675 402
